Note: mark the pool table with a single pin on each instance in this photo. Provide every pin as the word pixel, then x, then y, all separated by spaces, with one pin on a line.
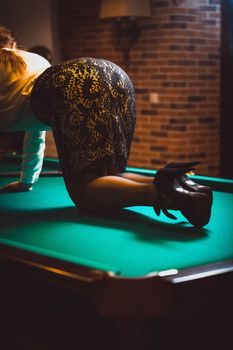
pixel 132 266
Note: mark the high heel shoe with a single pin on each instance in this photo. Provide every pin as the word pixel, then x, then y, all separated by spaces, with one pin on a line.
pixel 195 206
pixel 186 182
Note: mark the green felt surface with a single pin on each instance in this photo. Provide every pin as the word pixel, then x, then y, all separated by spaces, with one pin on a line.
pixel 131 242
pixel 12 163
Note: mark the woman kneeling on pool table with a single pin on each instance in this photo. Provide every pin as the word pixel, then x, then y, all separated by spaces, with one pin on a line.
pixel 90 106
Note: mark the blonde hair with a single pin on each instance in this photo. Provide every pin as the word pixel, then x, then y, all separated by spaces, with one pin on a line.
pixel 7 37
pixel 11 62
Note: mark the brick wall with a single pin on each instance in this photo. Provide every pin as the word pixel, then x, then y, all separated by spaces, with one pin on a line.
pixel 175 68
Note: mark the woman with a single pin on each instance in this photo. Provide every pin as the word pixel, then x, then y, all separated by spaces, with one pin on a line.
pixel 90 106
pixel 17 74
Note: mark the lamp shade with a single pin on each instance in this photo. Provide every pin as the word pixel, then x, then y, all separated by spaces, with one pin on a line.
pixel 125 8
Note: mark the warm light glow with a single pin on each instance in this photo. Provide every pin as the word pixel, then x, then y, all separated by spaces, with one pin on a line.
pixel 125 8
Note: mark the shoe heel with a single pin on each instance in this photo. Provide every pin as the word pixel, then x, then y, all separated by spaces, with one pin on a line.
pixel 197 210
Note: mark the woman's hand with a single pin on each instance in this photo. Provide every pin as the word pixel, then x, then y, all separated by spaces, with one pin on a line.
pixel 16 187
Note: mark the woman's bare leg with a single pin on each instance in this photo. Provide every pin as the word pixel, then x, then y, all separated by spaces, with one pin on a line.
pixel 115 192
pixel 137 177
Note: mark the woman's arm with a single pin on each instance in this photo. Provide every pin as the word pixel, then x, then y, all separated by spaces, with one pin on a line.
pixel 33 155
pixel 32 161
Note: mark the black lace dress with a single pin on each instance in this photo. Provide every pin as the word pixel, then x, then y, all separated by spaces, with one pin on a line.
pixel 90 105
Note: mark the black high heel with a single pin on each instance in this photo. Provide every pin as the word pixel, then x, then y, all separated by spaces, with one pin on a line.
pixel 195 206
pixel 186 182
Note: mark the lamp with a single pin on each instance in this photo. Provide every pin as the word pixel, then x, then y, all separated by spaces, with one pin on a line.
pixel 125 13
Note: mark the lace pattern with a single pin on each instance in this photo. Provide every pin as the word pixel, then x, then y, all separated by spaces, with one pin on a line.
pixel 90 105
